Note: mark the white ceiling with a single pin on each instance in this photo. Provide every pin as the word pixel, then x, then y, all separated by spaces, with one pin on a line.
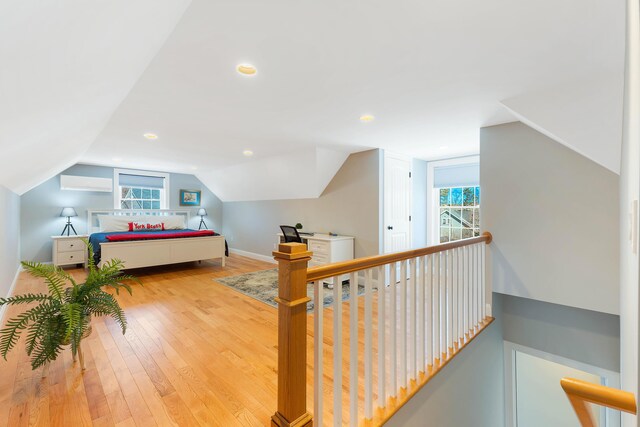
pixel 432 72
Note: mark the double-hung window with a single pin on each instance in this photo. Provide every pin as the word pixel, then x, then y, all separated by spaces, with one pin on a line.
pixel 141 190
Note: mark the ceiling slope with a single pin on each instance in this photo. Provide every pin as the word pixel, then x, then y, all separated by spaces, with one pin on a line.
pixel 66 66
pixel 586 116
pixel 302 174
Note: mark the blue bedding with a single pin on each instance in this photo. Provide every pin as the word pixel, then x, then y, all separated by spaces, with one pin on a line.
pixel 96 238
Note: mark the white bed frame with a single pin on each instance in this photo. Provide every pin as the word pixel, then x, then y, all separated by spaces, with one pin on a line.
pixel 148 253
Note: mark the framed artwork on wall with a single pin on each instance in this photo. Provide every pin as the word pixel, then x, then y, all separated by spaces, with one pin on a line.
pixel 190 197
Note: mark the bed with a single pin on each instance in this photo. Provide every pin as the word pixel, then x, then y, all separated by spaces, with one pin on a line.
pixel 146 245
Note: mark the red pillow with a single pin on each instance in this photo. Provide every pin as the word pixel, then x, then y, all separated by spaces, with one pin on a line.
pixel 146 226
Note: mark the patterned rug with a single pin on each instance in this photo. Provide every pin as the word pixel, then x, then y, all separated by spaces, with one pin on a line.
pixel 263 286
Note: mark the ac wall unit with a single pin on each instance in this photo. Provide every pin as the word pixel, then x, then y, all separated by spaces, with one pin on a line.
pixel 86 183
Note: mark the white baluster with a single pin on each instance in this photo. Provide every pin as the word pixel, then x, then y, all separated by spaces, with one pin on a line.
pixel 337 351
pixel 483 266
pixel 403 324
pixel 353 349
pixel 428 271
pixel 393 332
pixel 382 396
pixel 437 354
pixel 474 284
pixel 318 305
pixel 413 371
pixel 449 301
pixel 368 344
pixel 443 304
pixel 421 264
pixel 454 293
pixel 467 298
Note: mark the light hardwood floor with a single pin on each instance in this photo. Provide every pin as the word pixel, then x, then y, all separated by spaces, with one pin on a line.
pixel 195 353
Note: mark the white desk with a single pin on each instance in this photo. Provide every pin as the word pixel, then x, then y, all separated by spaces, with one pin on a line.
pixel 326 249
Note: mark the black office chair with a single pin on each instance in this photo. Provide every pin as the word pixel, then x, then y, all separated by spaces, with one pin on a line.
pixel 290 234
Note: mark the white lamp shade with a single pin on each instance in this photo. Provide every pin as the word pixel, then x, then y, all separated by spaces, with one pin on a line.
pixel 202 212
pixel 68 212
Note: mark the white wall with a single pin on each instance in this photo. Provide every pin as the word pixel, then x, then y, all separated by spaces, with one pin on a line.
pixel 554 218
pixel 9 239
pixel 630 192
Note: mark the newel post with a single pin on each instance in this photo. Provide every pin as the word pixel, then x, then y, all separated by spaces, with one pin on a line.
pixel 292 336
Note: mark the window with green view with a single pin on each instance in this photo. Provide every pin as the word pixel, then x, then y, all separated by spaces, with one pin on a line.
pixel 459 213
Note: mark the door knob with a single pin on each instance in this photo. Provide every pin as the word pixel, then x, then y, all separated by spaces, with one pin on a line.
pixel 389 227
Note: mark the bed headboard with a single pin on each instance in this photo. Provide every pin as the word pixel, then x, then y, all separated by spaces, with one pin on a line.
pixel 94 227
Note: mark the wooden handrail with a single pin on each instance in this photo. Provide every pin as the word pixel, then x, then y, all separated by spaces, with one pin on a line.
pixel 582 392
pixel 340 268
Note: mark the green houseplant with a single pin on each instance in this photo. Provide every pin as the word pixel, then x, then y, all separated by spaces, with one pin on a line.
pixel 62 316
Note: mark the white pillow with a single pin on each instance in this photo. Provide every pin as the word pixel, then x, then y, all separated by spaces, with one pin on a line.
pixel 111 223
pixel 173 222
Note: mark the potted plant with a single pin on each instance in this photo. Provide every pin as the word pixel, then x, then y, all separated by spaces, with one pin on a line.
pixel 62 315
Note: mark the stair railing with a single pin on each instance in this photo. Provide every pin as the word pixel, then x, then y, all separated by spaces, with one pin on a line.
pixel 582 393
pixel 405 317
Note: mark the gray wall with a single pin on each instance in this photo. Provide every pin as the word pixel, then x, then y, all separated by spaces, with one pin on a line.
pixel 9 238
pixel 419 215
pixel 554 218
pixel 349 205
pixel 40 208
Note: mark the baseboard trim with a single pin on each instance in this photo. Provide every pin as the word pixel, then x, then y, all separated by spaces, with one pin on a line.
pixel 252 255
pixel 11 289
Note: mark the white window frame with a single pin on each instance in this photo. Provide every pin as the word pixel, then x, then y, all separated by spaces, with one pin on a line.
pixel 608 417
pixel 433 196
pixel 165 201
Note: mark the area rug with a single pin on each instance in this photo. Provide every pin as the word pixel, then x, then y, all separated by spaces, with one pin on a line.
pixel 263 286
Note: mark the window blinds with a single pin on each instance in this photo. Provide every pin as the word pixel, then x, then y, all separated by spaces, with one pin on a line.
pixel 127 180
pixel 467 175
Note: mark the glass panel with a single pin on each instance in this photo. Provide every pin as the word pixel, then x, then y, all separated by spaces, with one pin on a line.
pixel 146 204
pixel 466 233
pixel 467 217
pixel 125 204
pixel 444 234
pixel 477 195
pixel 476 232
pixel 456 196
pixel 445 217
pixel 456 218
pixel 444 197
pixel 155 194
pixel 137 193
pixel 155 204
pixel 476 218
pixel 456 234
pixel 125 192
pixel 136 204
pixel 146 193
pixel 468 195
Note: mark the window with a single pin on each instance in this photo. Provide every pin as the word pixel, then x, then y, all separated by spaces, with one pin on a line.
pixel 140 190
pixel 459 213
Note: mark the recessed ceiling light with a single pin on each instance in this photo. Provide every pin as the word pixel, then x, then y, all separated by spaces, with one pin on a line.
pixel 248 153
pixel 366 118
pixel 247 69
pixel 150 136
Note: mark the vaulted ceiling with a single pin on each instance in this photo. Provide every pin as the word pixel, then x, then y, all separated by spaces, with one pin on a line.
pixel 81 82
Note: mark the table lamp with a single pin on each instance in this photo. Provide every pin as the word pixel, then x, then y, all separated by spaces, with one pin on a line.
pixel 202 212
pixel 68 212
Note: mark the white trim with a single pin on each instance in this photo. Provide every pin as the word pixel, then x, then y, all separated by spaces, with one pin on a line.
pixel 11 289
pixel 608 418
pixel 164 203
pixel 433 199
pixel 253 255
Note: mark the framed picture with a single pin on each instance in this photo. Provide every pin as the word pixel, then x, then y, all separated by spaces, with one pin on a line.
pixel 190 197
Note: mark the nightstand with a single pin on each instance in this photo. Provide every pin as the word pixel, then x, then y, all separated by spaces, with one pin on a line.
pixel 69 250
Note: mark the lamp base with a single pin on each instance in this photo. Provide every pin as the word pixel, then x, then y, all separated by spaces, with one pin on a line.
pixel 68 228
pixel 202 224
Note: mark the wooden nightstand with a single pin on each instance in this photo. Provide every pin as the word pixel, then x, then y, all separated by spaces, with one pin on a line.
pixel 69 250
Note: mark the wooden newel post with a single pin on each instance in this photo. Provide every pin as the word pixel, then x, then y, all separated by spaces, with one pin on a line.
pixel 292 336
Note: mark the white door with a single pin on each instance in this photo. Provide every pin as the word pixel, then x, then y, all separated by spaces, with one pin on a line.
pixel 397 203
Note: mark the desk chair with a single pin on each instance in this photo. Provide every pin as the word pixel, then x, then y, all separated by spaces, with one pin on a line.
pixel 290 234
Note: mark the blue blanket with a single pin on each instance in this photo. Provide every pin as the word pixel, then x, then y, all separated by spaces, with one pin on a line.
pixel 96 238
